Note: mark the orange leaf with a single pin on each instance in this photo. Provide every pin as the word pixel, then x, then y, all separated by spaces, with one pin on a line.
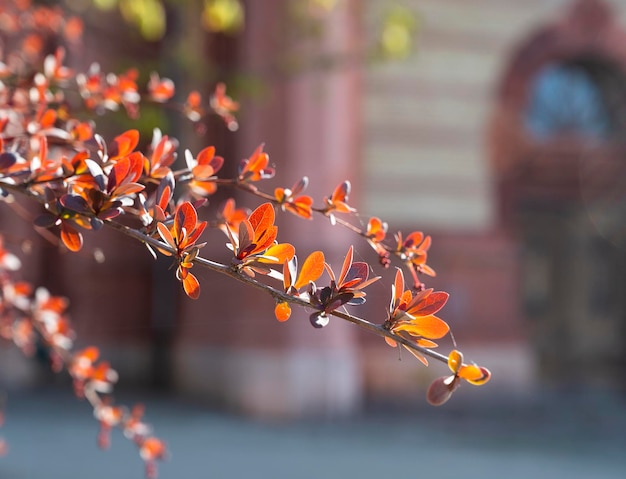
pixel 301 206
pixel 127 142
pixel 194 99
pixel 48 118
pixel 279 254
pixel 455 360
pixel 231 215
pixel 152 448
pixel 312 269
pixel 191 286
pixel 164 200
pixel 475 375
pixel 262 217
pixel 160 89
pixel 338 199
pixel 430 327
pixel 398 287
pixel 428 270
pixel 265 238
pixel 90 353
pixel 376 229
pixel 413 239
pixel 195 234
pixel 71 238
pixel 256 164
pixel 425 343
pixel 341 192
pixel 279 194
pixel 193 106
pixel 202 188
pixel 43 149
pixel 82 131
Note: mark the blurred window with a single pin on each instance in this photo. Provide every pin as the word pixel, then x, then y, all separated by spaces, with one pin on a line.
pixel 565 99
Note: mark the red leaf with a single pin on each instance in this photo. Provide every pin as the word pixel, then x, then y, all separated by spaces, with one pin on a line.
pixel 246 237
pixel 185 217
pixel 127 142
pixel 429 305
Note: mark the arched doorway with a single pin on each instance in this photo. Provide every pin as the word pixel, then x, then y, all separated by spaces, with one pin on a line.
pixel 558 142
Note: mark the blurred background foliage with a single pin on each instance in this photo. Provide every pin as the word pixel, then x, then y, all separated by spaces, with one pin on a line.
pixel 395 36
pixel 203 39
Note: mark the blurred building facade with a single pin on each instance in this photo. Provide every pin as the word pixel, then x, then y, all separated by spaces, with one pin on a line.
pixel 504 138
pixel 500 137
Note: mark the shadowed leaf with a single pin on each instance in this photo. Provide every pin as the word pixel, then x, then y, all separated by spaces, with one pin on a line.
pixel 319 320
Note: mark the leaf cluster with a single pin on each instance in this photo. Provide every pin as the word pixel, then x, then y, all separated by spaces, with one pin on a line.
pixel 85 183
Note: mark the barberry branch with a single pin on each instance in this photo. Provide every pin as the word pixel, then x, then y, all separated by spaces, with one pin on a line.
pixel 84 182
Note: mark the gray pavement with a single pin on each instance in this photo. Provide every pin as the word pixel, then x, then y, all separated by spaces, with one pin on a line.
pixel 53 436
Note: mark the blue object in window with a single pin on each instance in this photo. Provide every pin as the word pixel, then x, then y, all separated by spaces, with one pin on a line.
pixel 565 99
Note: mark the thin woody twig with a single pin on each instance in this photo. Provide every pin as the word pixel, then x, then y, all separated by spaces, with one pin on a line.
pixel 275 293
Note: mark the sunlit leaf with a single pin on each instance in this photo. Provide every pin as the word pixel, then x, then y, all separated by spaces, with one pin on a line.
pixel 376 229
pixel 312 269
pixel 262 217
pixel 71 238
pixel 191 286
pixel 278 254
pixel 475 375
pixel 430 327
pixel 455 360
pixel 126 142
